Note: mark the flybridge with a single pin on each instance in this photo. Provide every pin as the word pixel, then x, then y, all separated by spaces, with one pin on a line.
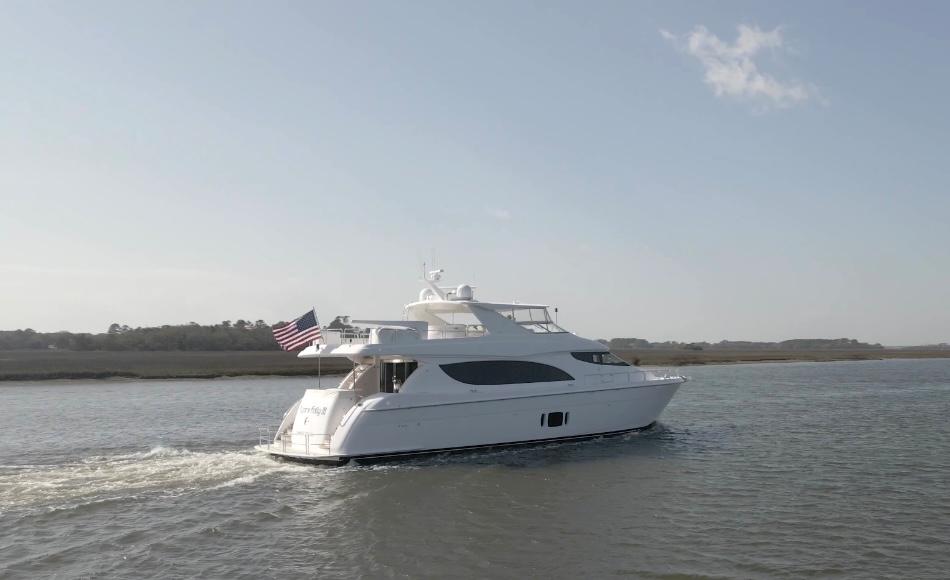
pixel 440 313
pixel 441 306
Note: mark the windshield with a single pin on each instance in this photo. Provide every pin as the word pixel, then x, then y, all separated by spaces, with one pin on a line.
pixel 533 319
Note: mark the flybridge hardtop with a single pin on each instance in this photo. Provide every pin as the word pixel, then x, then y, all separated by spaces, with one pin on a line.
pixel 458 373
pixel 444 313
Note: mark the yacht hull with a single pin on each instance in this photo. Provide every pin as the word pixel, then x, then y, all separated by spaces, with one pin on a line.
pixel 379 433
pixel 331 460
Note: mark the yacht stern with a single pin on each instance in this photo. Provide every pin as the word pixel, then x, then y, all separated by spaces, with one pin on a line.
pixel 288 453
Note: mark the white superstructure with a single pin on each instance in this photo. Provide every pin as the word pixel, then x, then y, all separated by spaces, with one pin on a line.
pixel 458 373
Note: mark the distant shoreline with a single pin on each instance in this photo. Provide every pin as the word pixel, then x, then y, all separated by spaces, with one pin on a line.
pixel 46 365
pixel 677 358
pixel 49 365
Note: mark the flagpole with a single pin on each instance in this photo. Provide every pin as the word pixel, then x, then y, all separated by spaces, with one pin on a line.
pixel 319 353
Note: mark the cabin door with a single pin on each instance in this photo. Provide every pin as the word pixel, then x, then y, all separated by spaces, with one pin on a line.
pixel 394 373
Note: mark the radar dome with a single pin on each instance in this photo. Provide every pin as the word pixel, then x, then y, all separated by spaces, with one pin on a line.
pixel 463 292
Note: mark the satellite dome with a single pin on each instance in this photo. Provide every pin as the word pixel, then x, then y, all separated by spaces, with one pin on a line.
pixel 464 292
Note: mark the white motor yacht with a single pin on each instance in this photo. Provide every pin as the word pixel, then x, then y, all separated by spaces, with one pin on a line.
pixel 459 374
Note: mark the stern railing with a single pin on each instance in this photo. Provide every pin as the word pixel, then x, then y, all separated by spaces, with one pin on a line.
pixel 285 441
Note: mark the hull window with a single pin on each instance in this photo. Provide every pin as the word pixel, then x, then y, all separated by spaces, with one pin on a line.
pixel 504 372
pixel 600 358
pixel 555 419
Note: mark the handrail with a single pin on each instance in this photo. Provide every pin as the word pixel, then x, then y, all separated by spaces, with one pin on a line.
pixel 285 440
pixel 265 435
pixel 448 331
pixel 333 336
pixel 348 336
pixel 456 331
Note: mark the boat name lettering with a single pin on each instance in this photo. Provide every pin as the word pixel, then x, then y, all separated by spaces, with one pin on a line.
pixel 314 410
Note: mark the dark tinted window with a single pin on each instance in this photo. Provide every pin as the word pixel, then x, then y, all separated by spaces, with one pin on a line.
pixel 504 372
pixel 600 358
pixel 555 419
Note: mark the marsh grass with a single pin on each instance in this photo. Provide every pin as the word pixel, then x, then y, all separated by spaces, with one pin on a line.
pixel 25 365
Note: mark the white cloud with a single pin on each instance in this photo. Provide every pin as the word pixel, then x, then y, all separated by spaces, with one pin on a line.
pixel 731 70
pixel 500 214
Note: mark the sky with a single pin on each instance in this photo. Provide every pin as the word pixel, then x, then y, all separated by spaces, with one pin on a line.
pixel 662 170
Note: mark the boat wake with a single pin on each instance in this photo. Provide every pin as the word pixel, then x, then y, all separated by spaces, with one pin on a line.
pixel 161 470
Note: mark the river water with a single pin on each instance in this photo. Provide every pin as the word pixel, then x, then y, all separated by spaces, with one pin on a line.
pixel 838 470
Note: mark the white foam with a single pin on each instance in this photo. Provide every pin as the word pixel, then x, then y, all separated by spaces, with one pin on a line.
pixel 161 469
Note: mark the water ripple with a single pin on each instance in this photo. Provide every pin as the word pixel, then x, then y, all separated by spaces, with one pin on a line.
pixel 834 470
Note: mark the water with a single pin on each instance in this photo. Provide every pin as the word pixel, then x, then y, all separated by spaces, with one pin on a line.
pixel 834 470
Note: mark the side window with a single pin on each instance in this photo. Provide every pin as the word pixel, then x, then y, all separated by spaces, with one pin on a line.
pixel 600 358
pixel 504 372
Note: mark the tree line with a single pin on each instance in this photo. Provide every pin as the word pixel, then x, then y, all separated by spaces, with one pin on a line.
pixel 794 344
pixel 239 335
pixel 257 335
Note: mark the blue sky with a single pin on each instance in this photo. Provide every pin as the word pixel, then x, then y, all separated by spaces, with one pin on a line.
pixel 682 171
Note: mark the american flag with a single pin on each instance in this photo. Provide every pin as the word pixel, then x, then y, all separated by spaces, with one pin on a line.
pixel 298 333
